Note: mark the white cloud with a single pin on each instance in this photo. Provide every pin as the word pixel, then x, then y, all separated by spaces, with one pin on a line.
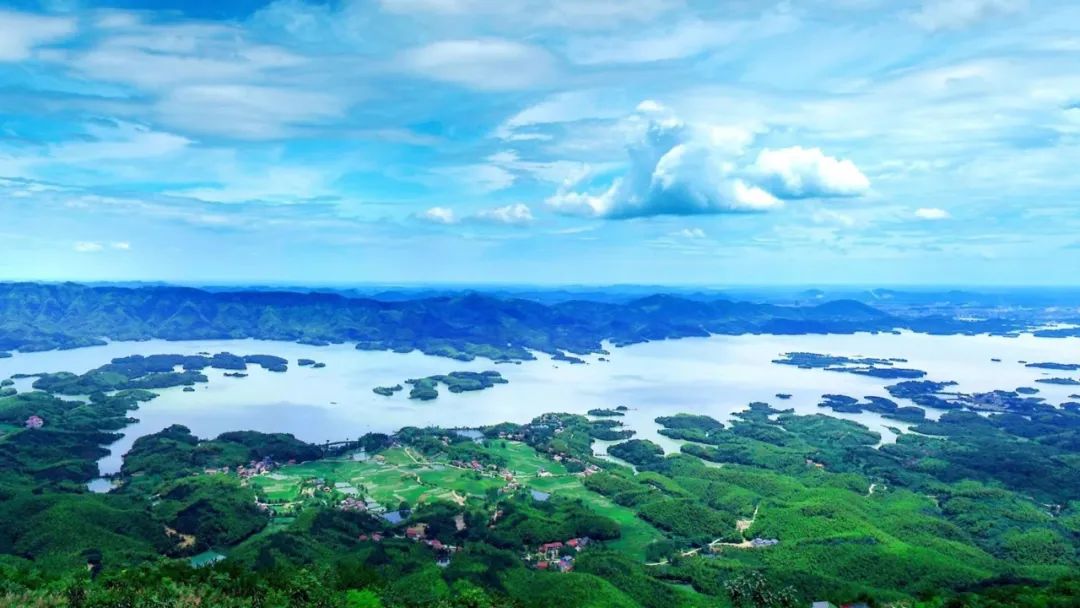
pixel 571 14
pixel 568 106
pixel 935 15
pixel 246 111
pixel 479 178
pixel 21 33
pixel 117 141
pixel 828 216
pixel 685 39
pixel 681 169
pixel 516 214
pixel 931 213
pixel 485 64
pixel 88 247
pixel 439 215
pixel 690 233
pixel 95 247
pixel 798 172
pixel 211 78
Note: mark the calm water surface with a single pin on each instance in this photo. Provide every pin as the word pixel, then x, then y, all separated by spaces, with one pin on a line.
pixel 716 376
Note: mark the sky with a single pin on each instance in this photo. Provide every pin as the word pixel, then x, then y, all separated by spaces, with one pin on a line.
pixel 727 142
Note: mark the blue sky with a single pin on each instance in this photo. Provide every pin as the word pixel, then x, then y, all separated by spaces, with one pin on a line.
pixel 555 141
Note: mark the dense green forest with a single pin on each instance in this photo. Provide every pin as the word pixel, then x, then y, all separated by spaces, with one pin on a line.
pixel 465 326
pixel 771 509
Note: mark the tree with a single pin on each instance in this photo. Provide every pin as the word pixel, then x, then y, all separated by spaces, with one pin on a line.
pixel 753 590
pixel 362 598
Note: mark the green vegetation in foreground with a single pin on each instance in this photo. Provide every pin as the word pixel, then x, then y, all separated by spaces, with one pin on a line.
pixel 769 509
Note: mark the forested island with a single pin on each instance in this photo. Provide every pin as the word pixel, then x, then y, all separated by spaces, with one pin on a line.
pixel 426 389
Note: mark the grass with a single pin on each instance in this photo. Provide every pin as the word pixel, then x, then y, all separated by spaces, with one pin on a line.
pixel 402 475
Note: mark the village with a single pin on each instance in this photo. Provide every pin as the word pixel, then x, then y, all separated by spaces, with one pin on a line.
pixel 391 483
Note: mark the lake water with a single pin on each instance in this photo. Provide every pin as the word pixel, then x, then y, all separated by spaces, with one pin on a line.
pixel 716 376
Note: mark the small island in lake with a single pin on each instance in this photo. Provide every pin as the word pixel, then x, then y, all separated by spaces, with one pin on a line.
pixel 1059 381
pixel 602 412
pixel 863 366
pixel 387 391
pixel 426 389
pixel 1061 367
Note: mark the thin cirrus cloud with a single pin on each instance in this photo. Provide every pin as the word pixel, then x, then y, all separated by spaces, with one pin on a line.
pixel 931 213
pixel 21 33
pixel 484 64
pixel 95 246
pixel 517 214
pixel 935 15
pixel 681 169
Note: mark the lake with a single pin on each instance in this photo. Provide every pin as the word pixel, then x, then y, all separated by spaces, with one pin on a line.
pixel 716 376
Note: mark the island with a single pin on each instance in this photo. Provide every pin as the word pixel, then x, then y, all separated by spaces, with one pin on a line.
pixel 603 412
pixel 426 389
pixel 1059 381
pixel 1064 367
pixel 387 391
pixel 863 366
pixel 151 372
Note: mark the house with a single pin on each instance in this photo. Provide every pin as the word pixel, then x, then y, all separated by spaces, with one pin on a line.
pixel 551 550
pixel 541 565
pixel 764 542
pixel 565 564
pixel 416 532
pixel 822 605
pixel 35 422
pixel 578 543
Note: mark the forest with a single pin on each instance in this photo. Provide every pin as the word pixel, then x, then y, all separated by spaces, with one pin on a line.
pixel 771 509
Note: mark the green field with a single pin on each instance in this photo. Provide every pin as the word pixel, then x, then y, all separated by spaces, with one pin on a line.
pixel 404 475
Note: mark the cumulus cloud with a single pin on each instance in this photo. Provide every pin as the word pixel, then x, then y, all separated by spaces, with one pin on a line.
pixel 681 169
pixel 937 15
pixel 20 33
pixel 439 215
pixel 931 213
pixel 516 214
pixel 798 172
pixel 484 64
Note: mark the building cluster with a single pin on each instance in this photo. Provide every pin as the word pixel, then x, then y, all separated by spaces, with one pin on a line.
pixel 353 504
pixel 558 555
pixel 255 467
